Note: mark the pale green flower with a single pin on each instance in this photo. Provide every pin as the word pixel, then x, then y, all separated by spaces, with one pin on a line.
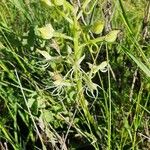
pixel 46 32
pixel 47 2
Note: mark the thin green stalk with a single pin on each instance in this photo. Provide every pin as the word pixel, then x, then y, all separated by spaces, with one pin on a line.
pixel 109 113
pixel 78 54
pixel 15 124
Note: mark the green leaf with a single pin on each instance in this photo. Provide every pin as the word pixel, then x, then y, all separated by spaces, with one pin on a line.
pixel 30 102
pixel 98 27
pixel 45 54
pixel 111 36
pixel 47 116
pixel 140 64
pixel 2 46
pixel 34 107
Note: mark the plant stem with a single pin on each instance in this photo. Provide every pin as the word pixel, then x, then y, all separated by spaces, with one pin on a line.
pixel 109 109
pixel 80 94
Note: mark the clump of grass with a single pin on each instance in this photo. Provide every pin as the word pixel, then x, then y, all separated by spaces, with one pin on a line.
pixel 74 75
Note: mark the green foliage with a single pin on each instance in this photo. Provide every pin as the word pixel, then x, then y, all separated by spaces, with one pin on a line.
pixel 74 75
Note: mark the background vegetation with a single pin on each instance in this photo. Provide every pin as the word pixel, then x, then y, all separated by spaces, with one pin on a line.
pixel 74 74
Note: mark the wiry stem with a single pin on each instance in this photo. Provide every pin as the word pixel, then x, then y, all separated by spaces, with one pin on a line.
pixel 80 93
